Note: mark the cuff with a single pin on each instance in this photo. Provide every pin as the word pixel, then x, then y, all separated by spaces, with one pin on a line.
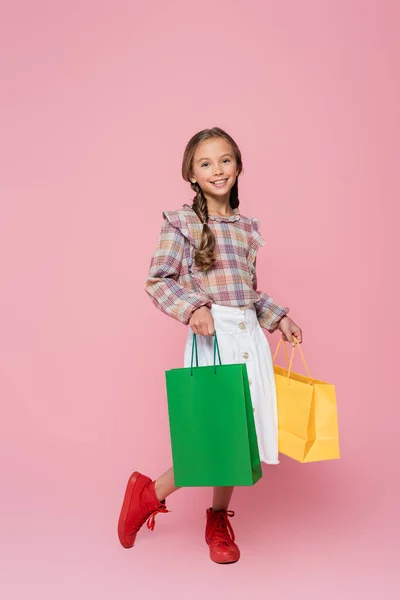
pixel 192 307
pixel 271 320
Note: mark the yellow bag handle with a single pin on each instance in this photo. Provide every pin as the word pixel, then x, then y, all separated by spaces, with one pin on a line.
pixel 290 362
pixel 285 349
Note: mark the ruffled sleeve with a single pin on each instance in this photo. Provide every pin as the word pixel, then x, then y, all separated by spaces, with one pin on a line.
pixel 269 312
pixel 177 219
pixel 257 239
pixel 162 284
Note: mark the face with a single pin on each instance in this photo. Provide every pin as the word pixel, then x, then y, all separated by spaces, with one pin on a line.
pixel 215 168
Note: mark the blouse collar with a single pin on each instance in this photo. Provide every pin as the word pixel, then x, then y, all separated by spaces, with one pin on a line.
pixel 221 219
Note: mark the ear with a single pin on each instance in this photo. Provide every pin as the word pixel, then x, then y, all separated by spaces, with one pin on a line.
pixel 193 179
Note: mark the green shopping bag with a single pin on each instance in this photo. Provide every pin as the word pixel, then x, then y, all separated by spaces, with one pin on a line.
pixel 212 429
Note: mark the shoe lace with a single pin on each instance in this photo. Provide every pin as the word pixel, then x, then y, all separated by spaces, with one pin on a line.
pixel 221 531
pixel 150 520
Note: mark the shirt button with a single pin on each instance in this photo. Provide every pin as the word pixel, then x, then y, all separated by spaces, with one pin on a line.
pixel 242 308
pixel 245 355
pixel 250 382
pixel 242 325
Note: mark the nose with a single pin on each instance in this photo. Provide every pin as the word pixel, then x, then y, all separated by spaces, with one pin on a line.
pixel 218 170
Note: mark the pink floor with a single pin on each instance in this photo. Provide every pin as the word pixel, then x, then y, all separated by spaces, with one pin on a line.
pixel 307 541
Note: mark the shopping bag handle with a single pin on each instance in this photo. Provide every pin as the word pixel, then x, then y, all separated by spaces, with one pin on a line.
pixel 194 350
pixel 285 349
pixel 290 362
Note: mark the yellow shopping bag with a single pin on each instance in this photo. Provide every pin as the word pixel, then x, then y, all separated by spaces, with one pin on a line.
pixel 307 414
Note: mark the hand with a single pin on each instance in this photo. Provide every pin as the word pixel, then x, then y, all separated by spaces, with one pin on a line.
pixel 289 330
pixel 202 321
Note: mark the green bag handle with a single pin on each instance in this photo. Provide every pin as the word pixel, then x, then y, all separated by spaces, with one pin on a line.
pixel 194 349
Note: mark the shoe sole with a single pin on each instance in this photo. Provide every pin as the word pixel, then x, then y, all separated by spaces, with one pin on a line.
pixel 124 511
pixel 227 562
pixel 224 562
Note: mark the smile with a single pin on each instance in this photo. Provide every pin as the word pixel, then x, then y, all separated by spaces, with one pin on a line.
pixel 219 182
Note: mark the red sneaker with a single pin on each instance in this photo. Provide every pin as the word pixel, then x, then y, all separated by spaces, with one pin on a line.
pixel 140 505
pixel 220 536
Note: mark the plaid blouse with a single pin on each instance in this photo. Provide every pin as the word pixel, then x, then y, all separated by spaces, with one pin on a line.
pixel 177 286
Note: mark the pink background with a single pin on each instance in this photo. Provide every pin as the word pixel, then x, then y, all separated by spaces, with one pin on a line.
pixel 98 101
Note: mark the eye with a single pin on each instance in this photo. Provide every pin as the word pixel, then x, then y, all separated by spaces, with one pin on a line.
pixel 204 164
pixel 226 160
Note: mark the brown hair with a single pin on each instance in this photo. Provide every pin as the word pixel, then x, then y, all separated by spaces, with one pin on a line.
pixel 205 254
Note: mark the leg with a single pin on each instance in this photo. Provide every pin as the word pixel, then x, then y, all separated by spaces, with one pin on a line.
pixel 219 533
pixel 165 485
pixel 222 497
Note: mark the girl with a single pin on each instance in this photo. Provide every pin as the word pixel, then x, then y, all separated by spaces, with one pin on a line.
pixel 203 273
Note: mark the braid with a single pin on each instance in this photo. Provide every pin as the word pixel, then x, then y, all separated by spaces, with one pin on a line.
pixel 234 197
pixel 199 203
pixel 205 255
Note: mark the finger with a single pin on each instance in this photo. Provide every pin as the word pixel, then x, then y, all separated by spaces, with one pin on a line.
pixel 289 338
pixel 211 326
pixel 298 335
pixel 204 330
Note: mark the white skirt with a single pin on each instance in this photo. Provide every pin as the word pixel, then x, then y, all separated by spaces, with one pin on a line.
pixel 241 340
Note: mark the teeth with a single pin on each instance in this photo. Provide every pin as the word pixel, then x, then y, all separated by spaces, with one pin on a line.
pixel 220 182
